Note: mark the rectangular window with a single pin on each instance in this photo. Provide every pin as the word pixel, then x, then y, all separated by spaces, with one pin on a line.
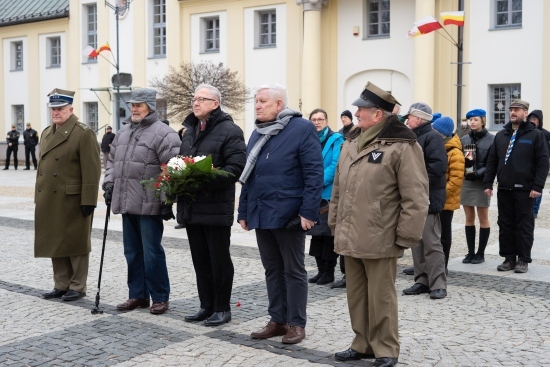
pixel 17 55
pixel 378 18
pixel 212 34
pixel 19 117
pixel 162 109
pixel 267 28
pixel 501 98
pixel 91 28
pixel 508 13
pixel 92 117
pixel 159 28
pixel 54 52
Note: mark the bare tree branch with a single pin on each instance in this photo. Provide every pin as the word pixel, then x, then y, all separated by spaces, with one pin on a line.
pixel 178 87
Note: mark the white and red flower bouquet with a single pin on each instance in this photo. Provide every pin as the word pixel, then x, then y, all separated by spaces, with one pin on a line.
pixel 184 176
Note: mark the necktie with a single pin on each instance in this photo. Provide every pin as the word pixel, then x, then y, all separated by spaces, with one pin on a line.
pixel 510 146
pixel 203 125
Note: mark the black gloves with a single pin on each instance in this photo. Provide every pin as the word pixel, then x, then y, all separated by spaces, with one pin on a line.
pixel 108 195
pixel 87 210
pixel 471 176
pixel 166 212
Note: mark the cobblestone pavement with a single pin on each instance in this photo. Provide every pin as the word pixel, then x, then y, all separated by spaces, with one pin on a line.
pixel 488 319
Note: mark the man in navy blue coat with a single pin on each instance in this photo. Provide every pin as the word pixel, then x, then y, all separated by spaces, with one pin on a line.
pixel 282 185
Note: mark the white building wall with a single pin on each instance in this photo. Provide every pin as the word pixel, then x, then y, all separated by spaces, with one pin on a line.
pixel 16 83
pixel 50 78
pixel 386 62
pixel 504 56
pixel 263 65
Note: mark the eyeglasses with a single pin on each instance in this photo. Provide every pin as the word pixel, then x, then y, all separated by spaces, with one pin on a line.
pixel 200 100
pixel 318 120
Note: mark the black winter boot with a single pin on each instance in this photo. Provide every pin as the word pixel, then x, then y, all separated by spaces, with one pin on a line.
pixel 483 239
pixel 328 273
pixel 471 242
pixel 320 266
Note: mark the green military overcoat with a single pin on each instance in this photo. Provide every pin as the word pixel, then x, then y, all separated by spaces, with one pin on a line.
pixel 68 176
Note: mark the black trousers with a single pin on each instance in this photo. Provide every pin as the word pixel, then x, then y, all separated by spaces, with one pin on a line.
pixel 30 151
pixel 516 224
pixel 446 217
pixel 213 266
pixel 323 247
pixel 13 149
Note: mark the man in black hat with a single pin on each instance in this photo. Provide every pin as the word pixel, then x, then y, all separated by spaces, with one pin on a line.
pixel 378 208
pixel 347 121
pixel 519 160
pixel 106 144
pixel 30 138
pixel 12 138
pixel 67 184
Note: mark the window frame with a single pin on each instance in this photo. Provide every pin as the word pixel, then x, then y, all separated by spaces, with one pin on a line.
pixel 379 24
pixel 53 51
pixel 18 110
pixel 89 108
pixel 91 29
pixel 14 55
pixel 271 22
pixel 510 14
pixel 205 39
pixel 159 10
pixel 506 98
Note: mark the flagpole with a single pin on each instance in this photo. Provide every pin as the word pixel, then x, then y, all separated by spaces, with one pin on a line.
pixel 459 75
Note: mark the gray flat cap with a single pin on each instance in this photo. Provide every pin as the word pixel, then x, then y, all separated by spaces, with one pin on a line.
pixel 146 95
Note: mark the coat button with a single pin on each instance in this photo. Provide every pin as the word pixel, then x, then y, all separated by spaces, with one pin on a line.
pixel 55 191
pixel 39 190
pixel 40 174
pixel 55 175
pixel 56 158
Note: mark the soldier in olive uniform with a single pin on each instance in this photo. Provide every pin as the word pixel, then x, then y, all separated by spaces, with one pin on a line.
pixel 67 184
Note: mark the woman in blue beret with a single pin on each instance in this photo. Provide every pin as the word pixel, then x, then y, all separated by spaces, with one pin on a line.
pixel 476 146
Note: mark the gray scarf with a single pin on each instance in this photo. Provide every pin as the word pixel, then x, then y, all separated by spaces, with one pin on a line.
pixel 267 130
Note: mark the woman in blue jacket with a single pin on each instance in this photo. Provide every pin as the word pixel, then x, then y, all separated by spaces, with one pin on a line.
pixel 322 246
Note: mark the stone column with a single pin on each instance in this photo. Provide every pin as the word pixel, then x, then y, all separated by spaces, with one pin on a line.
pixel 424 57
pixel 311 55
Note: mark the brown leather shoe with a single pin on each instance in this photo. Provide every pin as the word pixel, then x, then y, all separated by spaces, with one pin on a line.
pixel 133 303
pixel 271 329
pixel 294 335
pixel 158 308
pixel 507 265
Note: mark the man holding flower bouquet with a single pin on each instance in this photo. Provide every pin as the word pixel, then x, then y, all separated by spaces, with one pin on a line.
pixel 209 205
pixel 137 152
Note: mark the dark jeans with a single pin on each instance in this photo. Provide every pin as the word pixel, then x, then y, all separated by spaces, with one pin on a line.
pixel 147 272
pixel 13 149
pixel 516 224
pixel 537 204
pixel 283 252
pixel 30 151
pixel 446 217
pixel 213 266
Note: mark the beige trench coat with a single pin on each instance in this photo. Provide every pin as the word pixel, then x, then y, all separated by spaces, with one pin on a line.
pixel 68 176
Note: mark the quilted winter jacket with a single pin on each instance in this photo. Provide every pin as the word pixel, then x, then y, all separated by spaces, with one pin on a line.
pixel 136 154
pixel 455 173
pixel 380 196
pixel 483 141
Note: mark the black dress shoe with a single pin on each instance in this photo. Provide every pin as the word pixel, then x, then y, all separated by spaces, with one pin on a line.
pixel 438 294
pixel 384 362
pixel 199 316
pixel 218 318
pixel 409 270
pixel 339 284
pixel 26 169
pixel 73 295
pixel 417 288
pixel 56 293
pixel 351 355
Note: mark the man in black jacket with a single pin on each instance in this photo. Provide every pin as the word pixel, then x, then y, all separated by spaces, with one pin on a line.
pixel 428 257
pixel 209 215
pixel 106 144
pixel 30 138
pixel 12 138
pixel 519 160
pixel 535 117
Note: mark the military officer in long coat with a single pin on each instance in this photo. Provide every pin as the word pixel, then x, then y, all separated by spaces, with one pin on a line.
pixel 67 184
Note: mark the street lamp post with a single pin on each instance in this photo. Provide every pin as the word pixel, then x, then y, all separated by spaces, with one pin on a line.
pixel 120 8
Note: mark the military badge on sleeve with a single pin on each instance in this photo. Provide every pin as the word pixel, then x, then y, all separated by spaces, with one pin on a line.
pixel 376 157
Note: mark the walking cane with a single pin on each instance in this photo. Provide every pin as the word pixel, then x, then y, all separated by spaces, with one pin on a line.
pixel 96 309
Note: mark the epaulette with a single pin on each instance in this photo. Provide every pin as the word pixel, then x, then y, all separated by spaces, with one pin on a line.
pixel 82 125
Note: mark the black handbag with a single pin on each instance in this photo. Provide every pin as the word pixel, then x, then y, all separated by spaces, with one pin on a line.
pixel 321 228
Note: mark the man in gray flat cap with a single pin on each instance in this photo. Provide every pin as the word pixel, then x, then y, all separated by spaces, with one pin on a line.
pixel 519 160
pixel 67 182
pixel 428 257
pixel 378 207
pixel 136 154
